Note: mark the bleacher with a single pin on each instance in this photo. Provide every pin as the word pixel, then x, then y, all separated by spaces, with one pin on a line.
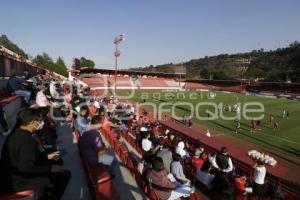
pixel 230 86
pixel 288 90
pixel 10 104
pixel 98 179
pixel 95 82
pixel 126 82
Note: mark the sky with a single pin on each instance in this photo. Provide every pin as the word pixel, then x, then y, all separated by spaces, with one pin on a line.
pixel 156 31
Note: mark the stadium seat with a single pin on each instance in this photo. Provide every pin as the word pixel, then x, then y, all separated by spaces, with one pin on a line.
pixel 152 194
pixel 106 191
pixel 6 98
pixel 25 195
pixel 130 166
pixel 195 196
pixel 76 136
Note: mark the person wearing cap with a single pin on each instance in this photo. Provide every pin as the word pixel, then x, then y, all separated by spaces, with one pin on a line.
pixel 93 148
pixel 163 183
pixel 222 161
pixel 196 161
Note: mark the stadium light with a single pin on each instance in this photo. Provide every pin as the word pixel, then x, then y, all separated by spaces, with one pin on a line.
pixel 118 39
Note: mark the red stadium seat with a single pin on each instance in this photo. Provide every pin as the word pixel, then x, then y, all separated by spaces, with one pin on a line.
pixel 129 163
pixel 18 195
pixel 106 191
pixel 6 98
pixel 76 136
pixel 98 174
pixel 152 194
pixel 195 196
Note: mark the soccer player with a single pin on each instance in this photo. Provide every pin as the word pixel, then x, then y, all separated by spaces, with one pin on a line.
pixel 287 114
pixel 271 119
pixel 275 126
pixel 237 127
pixel 283 113
pixel 253 126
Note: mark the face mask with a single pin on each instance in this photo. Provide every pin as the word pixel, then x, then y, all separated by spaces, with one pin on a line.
pixel 41 125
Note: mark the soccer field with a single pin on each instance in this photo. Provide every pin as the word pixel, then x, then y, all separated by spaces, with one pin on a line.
pixel 286 139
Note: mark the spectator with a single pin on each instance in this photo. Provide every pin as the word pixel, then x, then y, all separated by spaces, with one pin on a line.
pixel 53 90
pixel 259 175
pixel 41 99
pixel 81 123
pixel 3 121
pixel 204 176
pixel 159 180
pixel 24 169
pixel 180 150
pixel 276 192
pixel 166 155
pixel 93 148
pixel 177 170
pixel 223 186
pixel 196 161
pixel 222 161
pixel 146 143
pixel 16 85
pixel 243 184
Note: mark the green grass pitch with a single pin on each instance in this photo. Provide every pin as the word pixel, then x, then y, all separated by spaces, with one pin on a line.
pixel 285 140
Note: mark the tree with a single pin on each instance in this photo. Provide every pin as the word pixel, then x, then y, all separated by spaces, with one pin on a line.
pixel 275 65
pixel 4 41
pixel 61 67
pixel 46 62
pixel 86 63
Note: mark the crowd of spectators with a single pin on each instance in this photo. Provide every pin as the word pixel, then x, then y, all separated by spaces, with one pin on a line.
pixel 31 157
pixel 34 160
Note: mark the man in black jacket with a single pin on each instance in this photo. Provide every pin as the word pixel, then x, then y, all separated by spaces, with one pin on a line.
pixel 222 161
pixel 23 168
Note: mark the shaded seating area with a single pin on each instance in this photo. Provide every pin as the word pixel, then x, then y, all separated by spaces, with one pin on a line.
pixel 27 194
pixel 98 178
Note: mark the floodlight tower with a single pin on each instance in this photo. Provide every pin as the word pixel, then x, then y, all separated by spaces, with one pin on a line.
pixel 243 67
pixel 118 39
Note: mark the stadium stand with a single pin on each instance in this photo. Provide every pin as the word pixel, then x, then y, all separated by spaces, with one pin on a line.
pixel 113 130
pixel 230 86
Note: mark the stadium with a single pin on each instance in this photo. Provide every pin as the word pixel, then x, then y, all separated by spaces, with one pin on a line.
pixel 200 112
pixel 217 127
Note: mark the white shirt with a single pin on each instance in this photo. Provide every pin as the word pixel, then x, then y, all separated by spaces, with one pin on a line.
pixel 53 91
pixel 146 144
pixel 132 109
pixel 228 169
pixel 180 150
pixel 259 175
pixel 41 99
